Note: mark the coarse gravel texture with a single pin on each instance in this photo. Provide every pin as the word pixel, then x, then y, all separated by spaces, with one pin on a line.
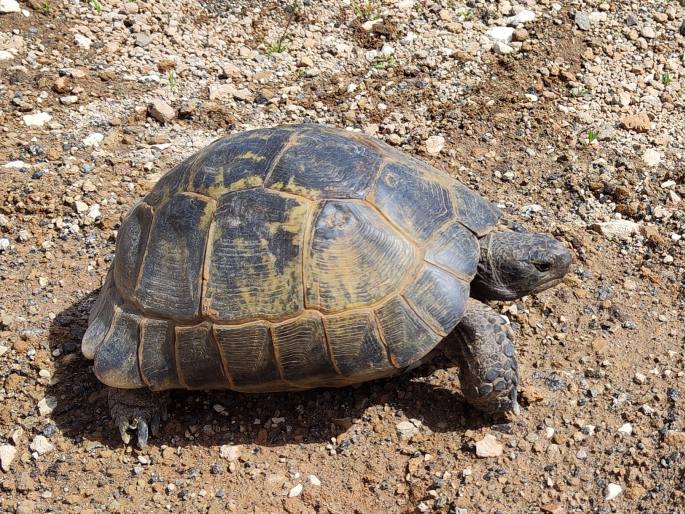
pixel 573 122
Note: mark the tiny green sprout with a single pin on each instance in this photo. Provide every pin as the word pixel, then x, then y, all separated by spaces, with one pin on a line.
pixel 465 14
pixel 666 78
pixel 384 61
pixel 592 136
pixel 274 47
pixel 577 92
pixel 171 77
pixel 365 10
pixel 277 46
pixel 96 6
pixel 46 6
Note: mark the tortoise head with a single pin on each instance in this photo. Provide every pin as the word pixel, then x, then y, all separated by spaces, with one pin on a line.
pixel 514 264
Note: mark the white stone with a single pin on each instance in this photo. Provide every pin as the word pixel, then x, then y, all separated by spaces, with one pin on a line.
pixel 501 34
pixel 7 454
pixel 435 144
pixel 612 491
pixel 531 209
pixel 41 445
pixel 387 50
pixel 619 229
pixel 228 91
pixel 626 428
pixel 230 452
pixel 82 41
pixel 5 55
pixel 47 405
pixel 639 378
pixel 295 491
pixel 16 165
pixel 523 17
pixel 8 6
pixel 4 244
pixel 597 17
pixel 68 100
pixel 406 429
pixel 80 207
pixel 160 110
pixel 489 447
pixel 370 24
pixel 405 5
pixel 502 48
pixel 313 480
pixel 646 410
pixel 93 139
pixel 94 212
pixel 651 157
pixel 36 120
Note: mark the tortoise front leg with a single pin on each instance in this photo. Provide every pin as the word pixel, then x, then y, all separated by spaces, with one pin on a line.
pixel 139 410
pixel 482 346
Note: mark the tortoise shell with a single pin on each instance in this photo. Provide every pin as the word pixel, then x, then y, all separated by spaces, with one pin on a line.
pixel 286 258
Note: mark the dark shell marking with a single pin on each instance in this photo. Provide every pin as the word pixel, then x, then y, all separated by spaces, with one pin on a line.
pixel 286 258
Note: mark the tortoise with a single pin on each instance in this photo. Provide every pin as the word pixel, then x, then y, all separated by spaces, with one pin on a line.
pixel 305 256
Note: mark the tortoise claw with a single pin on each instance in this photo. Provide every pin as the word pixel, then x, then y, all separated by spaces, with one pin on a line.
pixel 137 411
pixel 123 425
pixel 142 433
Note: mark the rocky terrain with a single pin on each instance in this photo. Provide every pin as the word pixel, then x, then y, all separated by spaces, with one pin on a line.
pixel 569 115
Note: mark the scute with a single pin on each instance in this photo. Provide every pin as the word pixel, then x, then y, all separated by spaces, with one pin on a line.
pixel 101 316
pixel 355 257
pixel 301 352
pixel 116 359
pixel 248 353
pixel 157 354
pixel 254 266
pixel 356 346
pixel 199 362
pixel 407 337
pixel 415 200
pixel 131 242
pixel 439 298
pixel 325 163
pixel 474 211
pixel 236 162
pixel 169 285
pixel 456 249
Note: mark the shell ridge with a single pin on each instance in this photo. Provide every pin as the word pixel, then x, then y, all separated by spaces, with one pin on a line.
pixel 425 323
pixel 381 337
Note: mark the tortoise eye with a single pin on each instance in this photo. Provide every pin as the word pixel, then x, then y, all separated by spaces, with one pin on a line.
pixel 542 266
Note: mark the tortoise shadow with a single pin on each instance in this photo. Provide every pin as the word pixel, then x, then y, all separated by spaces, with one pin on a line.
pixel 221 417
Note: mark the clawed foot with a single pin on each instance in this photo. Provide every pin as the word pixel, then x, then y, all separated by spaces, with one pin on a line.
pixel 138 411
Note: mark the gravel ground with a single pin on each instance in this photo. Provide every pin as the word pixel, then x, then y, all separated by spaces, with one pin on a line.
pixel 570 116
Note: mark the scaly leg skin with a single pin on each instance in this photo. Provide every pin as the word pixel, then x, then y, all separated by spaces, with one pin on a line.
pixel 139 410
pixel 482 346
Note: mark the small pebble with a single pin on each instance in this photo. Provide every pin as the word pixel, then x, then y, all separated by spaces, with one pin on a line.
pixel 313 480
pixel 435 144
pixel 295 491
pixel 230 452
pixel 7 454
pixel 612 491
pixel 626 428
pixel 489 447
pixel 41 445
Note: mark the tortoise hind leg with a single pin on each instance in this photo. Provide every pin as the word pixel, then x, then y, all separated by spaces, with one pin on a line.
pixel 482 346
pixel 139 410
